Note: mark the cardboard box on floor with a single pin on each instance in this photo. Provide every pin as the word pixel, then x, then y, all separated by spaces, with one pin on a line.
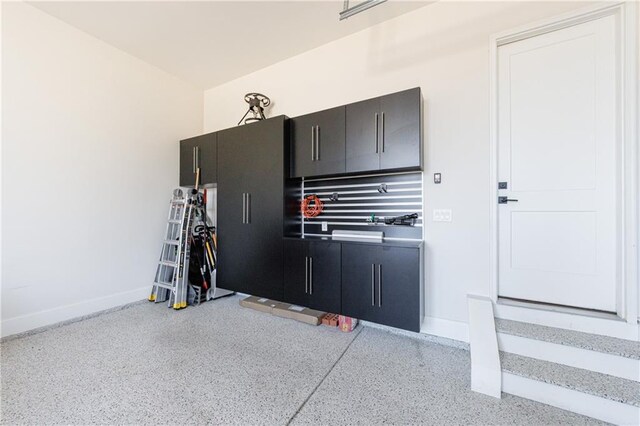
pixel 261 304
pixel 299 313
pixel 284 310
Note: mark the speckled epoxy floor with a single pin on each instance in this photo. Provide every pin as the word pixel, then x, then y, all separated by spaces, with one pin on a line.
pixel 220 363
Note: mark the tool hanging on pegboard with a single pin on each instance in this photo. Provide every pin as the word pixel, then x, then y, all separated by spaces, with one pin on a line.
pixel 311 206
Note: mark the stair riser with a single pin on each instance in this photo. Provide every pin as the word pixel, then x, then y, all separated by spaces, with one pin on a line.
pixel 571 400
pixel 600 362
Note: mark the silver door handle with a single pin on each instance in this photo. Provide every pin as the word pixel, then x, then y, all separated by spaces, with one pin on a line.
pixel 382 132
pixel 379 285
pixel 306 275
pixel 248 207
pixel 313 144
pixel 244 207
pixel 318 143
pixel 376 141
pixel 311 275
pixel 373 279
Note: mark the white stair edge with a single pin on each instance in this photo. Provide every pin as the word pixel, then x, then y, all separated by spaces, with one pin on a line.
pixel 571 400
pixel 569 321
pixel 613 365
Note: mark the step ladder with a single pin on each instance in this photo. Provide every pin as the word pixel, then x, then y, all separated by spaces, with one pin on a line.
pixel 172 274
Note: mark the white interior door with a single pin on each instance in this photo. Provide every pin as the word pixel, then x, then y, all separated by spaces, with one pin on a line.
pixel 558 145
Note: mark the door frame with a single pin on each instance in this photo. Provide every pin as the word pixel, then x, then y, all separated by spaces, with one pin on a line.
pixel 628 238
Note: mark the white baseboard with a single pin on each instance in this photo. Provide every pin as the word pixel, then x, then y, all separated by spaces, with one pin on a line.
pixel 571 400
pixel 588 324
pixel 52 316
pixel 455 330
pixel 612 365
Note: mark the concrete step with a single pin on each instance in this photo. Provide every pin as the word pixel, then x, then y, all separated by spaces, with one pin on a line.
pixel 603 344
pixel 589 382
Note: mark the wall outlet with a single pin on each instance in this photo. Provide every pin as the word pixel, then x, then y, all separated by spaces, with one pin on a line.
pixel 442 215
pixel 325 226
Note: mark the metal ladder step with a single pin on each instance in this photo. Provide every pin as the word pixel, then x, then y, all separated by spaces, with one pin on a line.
pixel 167 263
pixel 172 242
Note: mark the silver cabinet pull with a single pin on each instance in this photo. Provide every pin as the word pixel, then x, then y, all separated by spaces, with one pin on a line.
pixel 244 207
pixel 318 143
pixel 306 274
pixel 373 279
pixel 311 275
pixel 376 141
pixel 382 132
pixel 248 207
pixel 379 285
pixel 313 144
pixel 193 158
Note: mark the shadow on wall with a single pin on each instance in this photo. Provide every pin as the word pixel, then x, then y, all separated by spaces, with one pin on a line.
pixel 390 51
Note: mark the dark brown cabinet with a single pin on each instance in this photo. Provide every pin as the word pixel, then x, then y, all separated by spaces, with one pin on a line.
pixel 250 207
pixel 385 133
pixel 200 151
pixel 382 284
pixel 317 146
pixel 313 274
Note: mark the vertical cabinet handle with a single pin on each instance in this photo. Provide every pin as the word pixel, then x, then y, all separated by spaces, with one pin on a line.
pixel 373 279
pixel 248 207
pixel 318 143
pixel 379 285
pixel 311 275
pixel 382 132
pixel 193 159
pixel 313 144
pixel 244 207
pixel 306 274
pixel 376 132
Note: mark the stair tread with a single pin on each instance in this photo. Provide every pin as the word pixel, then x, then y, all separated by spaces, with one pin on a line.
pixel 578 339
pixel 585 381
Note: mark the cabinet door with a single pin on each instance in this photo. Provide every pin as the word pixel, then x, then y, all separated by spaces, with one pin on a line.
pixel 200 151
pixel 296 269
pixel 250 208
pixel 208 158
pixel 398 288
pixel 188 162
pixel 302 146
pixel 234 257
pixel 324 266
pixel 362 136
pixel 359 264
pixel 318 143
pixel 400 130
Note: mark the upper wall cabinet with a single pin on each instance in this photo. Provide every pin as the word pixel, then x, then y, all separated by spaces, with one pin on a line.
pixel 200 151
pixel 318 143
pixel 385 133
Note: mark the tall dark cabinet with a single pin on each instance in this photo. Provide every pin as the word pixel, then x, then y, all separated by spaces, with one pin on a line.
pixel 251 171
pixel 318 143
pixel 385 133
pixel 200 151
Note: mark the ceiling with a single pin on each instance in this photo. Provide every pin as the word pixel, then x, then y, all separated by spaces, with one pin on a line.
pixel 208 43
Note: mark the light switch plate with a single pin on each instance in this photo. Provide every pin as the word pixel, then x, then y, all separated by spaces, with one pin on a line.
pixel 325 226
pixel 442 215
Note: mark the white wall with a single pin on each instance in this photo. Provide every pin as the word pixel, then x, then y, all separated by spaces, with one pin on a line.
pixel 444 49
pixel 89 158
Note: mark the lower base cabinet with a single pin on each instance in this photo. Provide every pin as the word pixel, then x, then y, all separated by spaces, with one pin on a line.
pixel 313 274
pixel 371 282
pixel 382 285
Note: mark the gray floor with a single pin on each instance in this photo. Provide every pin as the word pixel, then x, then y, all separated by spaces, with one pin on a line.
pixel 220 363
